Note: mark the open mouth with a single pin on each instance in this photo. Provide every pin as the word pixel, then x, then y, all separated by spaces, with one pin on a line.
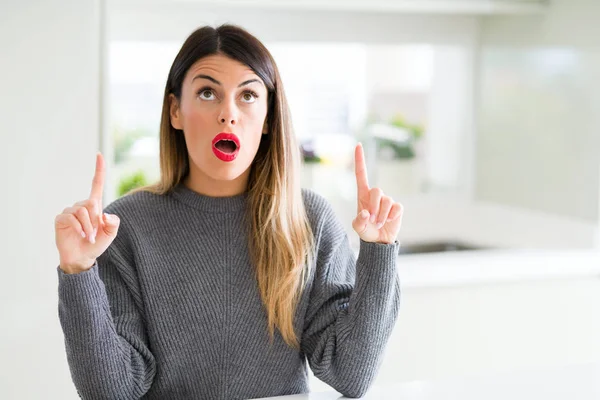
pixel 226 146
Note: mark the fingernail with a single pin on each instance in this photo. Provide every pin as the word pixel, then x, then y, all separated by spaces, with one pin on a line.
pixel 372 218
pixel 379 225
pixel 83 234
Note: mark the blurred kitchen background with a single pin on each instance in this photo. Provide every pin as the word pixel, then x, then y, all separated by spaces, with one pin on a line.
pixel 482 117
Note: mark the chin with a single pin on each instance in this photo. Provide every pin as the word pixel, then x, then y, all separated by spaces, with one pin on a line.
pixel 219 170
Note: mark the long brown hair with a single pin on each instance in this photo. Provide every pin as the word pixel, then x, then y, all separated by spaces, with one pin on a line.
pixel 280 240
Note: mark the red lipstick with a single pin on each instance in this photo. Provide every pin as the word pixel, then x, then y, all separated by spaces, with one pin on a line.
pixel 226 146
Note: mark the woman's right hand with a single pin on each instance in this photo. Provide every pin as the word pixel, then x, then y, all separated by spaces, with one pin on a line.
pixel 83 232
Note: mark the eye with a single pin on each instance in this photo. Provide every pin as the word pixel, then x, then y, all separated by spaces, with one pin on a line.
pixel 206 94
pixel 249 97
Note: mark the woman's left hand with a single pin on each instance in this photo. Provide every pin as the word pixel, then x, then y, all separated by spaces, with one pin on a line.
pixel 379 217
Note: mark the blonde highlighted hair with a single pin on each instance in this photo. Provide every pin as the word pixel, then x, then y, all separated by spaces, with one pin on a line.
pixel 280 239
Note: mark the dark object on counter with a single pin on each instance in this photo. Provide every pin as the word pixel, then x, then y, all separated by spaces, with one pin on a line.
pixel 436 247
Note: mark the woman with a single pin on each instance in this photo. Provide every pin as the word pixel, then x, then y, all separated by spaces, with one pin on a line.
pixel 225 276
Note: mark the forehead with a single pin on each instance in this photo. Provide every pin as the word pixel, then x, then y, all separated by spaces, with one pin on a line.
pixel 221 66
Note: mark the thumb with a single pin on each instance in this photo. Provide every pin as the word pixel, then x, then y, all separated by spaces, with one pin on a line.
pixel 360 223
pixel 111 224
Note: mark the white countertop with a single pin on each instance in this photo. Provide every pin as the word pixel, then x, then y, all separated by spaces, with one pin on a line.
pixel 494 266
pixel 576 382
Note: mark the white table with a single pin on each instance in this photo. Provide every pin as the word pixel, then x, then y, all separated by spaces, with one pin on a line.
pixel 576 382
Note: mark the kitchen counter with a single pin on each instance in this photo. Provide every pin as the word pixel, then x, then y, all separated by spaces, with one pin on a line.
pixel 495 266
pixel 576 382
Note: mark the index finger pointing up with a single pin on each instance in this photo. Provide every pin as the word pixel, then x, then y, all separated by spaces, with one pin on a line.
pixel 98 181
pixel 360 168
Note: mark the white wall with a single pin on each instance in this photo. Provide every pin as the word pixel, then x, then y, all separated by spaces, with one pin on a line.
pixel 539 138
pixel 450 134
pixel 49 122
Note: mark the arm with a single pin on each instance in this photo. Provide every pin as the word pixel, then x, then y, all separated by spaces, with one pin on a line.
pixel 105 338
pixel 353 308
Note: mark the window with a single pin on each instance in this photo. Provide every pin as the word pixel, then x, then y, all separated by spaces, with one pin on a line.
pixel 403 102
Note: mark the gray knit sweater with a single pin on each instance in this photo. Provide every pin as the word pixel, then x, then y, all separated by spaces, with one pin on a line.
pixel 172 310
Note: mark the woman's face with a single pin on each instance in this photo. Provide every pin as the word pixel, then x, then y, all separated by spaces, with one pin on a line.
pixel 220 96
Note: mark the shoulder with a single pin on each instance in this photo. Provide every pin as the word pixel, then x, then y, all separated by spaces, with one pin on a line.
pixel 136 204
pixel 138 212
pixel 323 219
pixel 318 208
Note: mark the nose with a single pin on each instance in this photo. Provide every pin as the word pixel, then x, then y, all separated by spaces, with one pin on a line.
pixel 228 114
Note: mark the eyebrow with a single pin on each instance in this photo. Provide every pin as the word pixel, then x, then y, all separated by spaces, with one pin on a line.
pixel 210 78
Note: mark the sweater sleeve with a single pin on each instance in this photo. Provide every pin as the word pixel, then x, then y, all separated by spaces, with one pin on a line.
pixel 105 338
pixel 353 308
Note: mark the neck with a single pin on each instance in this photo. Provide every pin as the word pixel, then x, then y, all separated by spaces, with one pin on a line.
pixel 204 184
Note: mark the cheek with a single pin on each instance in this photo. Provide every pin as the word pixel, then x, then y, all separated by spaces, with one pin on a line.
pixel 254 121
pixel 198 123
pixel 196 117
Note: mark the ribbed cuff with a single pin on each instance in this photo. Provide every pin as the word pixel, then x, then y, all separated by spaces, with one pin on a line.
pixel 81 288
pixel 378 261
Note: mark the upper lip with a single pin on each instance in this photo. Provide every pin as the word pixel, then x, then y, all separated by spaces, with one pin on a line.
pixel 226 136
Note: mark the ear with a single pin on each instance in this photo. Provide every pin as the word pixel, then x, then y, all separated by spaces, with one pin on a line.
pixel 174 112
